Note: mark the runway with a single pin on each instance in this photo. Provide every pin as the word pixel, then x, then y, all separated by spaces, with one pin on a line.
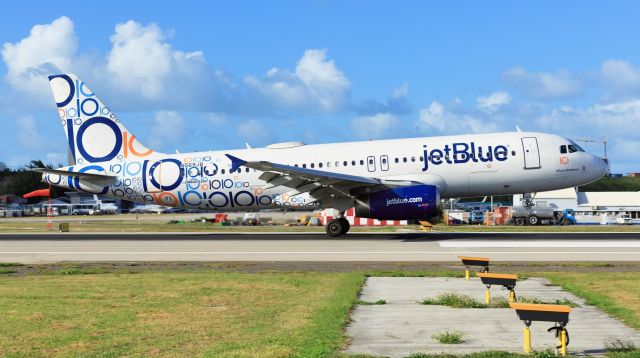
pixel 55 247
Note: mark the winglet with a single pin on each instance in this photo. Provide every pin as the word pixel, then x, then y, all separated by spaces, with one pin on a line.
pixel 235 162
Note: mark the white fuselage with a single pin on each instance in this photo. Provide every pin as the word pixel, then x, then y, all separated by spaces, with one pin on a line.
pixel 461 166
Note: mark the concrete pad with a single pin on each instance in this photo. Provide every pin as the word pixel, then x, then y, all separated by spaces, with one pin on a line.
pixel 403 326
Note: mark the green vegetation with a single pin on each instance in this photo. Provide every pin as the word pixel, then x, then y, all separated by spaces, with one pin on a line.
pixel 449 337
pixel 463 301
pixel 183 313
pixel 613 184
pixel 617 293
pixel 10 264
pixel 7 271
pixel 563 301
pixel 619 345
pixel 454 300
pixel 73 311
pixel 369 303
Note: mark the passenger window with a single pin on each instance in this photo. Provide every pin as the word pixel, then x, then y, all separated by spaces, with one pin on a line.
pixel 337 164
pixel 361 162
pixel 328 165
pixel 421 158
pixel 304 165
pixel 413 159
pixel 345 163
pixel 397 160
pixel 513 153
pixel 246 170
pixel 370 161
pixel 319 165
pixel 563 149
pixel 222 171
pixel 404 160
pixel 313 165
pixel 384 160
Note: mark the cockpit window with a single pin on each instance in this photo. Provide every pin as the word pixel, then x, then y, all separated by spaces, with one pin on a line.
pixel 575 146
pixel 572 149
pixel 563 149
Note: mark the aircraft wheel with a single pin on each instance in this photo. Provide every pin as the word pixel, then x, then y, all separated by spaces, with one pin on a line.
pixel 345 226
pixel 533 220
pixel 334 228
pixel 521 222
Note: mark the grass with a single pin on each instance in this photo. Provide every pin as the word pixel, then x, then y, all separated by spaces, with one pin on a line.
pixel 449 337
pixel 463 301
pixel 617 293
pixel 7 271
pixel 183 313
pixel 370 303
pixel 207 312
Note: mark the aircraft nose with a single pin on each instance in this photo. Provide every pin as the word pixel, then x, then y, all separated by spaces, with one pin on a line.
pixel 601 166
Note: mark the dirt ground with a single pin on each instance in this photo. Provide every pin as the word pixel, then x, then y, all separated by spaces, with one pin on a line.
pixel 253 267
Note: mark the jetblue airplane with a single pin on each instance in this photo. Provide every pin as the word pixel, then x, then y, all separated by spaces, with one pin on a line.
pixel 385 179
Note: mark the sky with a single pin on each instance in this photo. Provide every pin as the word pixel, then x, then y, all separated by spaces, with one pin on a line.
pixel 208 75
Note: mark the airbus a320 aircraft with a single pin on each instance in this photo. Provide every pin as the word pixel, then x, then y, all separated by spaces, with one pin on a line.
pixel 385 179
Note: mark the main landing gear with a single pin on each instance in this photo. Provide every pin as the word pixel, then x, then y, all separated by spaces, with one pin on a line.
pixel 337 227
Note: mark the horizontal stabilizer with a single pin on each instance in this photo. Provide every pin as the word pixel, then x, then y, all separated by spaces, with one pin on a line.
pixel 75 174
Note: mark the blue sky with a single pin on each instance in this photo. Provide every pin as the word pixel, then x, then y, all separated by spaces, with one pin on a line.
pixel 195 75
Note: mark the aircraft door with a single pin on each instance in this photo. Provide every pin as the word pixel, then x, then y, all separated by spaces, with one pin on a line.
pixel 371 163
pixel 384 162
pixel 531 153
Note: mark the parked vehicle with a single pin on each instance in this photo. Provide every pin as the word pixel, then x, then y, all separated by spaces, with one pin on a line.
pixel 623 219
pixel 536 215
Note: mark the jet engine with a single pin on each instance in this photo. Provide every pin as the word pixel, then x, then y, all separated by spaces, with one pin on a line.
pixel 402 203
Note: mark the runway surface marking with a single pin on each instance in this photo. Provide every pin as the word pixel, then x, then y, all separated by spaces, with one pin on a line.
pixel 540 243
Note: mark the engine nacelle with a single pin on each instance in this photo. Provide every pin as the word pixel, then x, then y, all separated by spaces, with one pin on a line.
pixel 403 203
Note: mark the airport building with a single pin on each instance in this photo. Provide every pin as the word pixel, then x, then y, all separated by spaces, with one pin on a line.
pixel 590 207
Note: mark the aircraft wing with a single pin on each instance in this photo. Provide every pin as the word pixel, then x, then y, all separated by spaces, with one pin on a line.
pixel 318 183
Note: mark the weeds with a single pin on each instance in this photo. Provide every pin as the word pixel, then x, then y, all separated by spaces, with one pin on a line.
pixel 619 345
pixel 369 303
pixel 449 337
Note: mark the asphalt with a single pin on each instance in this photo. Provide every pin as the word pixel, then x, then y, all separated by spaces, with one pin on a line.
pixel 440 247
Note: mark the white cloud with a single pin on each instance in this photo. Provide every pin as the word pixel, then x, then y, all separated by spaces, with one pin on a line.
pixel 316 82
pixel 616 118
pixel 48 49
pixel 402 91
pixel 620 75
pixel 141 61
pixel 168 127
pixel 437 117
pixel 375 126
pixel 493 102
pixel 542 85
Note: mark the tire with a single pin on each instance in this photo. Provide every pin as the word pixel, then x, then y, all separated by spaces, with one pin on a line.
pixel 533 220
pixel 334 228
pixel 521 222
pixel 345 226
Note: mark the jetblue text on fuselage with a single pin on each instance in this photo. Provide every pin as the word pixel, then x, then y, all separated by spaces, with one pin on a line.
pixel 458 153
